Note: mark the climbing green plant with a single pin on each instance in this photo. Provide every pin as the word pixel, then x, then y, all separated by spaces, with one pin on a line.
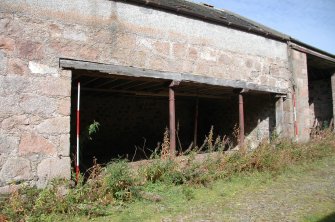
pixel 93 128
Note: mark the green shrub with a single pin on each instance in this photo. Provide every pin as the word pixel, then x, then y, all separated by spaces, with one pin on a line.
pixel 158 170
pixel 120 181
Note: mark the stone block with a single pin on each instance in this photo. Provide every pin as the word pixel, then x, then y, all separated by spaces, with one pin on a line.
pixel 208 54
pixel 9 189
pixel 64 49
pixel 217 71
pixel 52 168
pixel 3 64
pixel 31 50
pixel 132 41
pixel 257 65
pixel 35 144
pixel 13 85
pixel 3 159
pixel 37 68
pixel 105 36
pixel 64 106
pixel 66 74
pixel 188 66
pixel 158 64
pixel 64 145
pixel 224 59
pixel 139 58
pixel 5 22
pixel 179 50
pixel 75 35
pixel 192 53
pixel 57 125
pixel 16 169
pixel 55 30
pixel 36 104
pixel 14 122
pixel 162 47
pixel 17 67
pixel 8 143
pixel 88 53
pixel 53 87
pixel 202 68
pixel 9 105
pixel 7 44
pixel 249 63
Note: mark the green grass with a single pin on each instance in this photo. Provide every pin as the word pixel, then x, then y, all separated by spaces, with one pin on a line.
pixel 212 201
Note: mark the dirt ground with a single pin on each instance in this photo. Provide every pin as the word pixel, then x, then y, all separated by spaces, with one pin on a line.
pixel 306 195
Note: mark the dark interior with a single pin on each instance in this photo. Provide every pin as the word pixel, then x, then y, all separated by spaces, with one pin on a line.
pixel 134 113
pixel 320 91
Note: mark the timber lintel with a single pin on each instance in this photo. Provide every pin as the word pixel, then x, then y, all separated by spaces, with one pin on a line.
pixel 178 77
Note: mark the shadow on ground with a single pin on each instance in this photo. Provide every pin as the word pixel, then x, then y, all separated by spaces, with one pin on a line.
pixel 329 218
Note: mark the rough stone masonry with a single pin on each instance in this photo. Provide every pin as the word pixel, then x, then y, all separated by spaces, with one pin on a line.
pixel 35 92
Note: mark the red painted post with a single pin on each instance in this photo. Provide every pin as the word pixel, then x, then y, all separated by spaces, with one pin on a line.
pixel 172 118
pixel 241 118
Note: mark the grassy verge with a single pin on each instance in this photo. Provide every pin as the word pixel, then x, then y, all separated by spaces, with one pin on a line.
pixel 168 188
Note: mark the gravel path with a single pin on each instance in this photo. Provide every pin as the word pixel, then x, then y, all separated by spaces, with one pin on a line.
pixel 290 197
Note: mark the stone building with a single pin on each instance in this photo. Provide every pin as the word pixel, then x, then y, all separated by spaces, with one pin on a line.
pixel 145 65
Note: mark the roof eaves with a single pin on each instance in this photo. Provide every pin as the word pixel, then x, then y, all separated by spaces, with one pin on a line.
pixel 312 48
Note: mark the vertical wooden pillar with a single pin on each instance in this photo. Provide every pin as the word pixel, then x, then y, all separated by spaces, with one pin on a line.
pixel 172 118
pixel 241 118
pixel 196 115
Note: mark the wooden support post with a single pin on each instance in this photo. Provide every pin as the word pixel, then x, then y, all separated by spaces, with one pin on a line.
pixel 241 118
pixel 172 118
pixel 196 115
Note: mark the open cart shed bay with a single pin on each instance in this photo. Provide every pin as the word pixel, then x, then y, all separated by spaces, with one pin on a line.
pixel 144 66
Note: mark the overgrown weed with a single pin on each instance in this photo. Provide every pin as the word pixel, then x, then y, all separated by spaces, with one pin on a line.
pixel 118 184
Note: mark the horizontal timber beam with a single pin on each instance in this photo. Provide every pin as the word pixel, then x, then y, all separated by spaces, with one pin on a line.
pixel 181 77
pixel 311 52
pixel 159 94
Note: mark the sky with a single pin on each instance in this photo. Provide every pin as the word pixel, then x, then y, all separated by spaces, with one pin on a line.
pixel 310 21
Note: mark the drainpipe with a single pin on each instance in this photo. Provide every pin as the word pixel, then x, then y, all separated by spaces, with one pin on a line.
pixel 241 117
pixel 172 117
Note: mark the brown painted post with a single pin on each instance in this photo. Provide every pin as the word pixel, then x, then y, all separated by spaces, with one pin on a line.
pixel 241 117
pixel 172 118
pixel 196 114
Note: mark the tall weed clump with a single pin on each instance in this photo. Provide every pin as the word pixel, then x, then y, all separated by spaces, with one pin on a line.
pixel 279 154
pixel 119 181
pixel 32 204
pixel 104 187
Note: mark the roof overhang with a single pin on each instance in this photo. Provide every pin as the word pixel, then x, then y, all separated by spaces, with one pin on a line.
pixel 155 74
